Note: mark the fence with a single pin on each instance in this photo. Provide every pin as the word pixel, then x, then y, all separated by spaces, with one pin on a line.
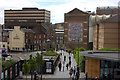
pixel 12 72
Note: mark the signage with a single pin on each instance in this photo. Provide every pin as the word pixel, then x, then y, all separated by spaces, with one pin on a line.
pixel 48 67
pixel 16 37
pixel 75 32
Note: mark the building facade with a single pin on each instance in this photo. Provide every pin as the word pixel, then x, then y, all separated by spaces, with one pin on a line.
pixel 76 29
pixel 93 20
pixel 26 18
pixel 17 39
pixel 103 65
pixel 109 10
pixel 59 31
pixel 106 34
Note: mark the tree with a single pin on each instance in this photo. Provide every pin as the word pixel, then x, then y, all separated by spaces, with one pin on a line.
pixel 32 62
pixel 38 61
pixel 26 68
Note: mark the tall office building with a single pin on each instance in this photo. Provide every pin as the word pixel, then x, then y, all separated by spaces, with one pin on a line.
pixel 26 18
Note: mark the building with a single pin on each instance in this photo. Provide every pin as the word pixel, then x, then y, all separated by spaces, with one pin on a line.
pixel 26 18
pixel 4 35
pixel 76 29
pixel 106 34
pixel 103 65
pixel 109 10
pixel 17 40
pixel 59 31
pixel 93 20
pixel 26 39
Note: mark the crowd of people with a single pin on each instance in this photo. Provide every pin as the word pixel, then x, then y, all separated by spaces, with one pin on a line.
pixel 73 71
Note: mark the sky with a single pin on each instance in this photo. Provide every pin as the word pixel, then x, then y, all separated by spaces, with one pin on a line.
pixel 56 7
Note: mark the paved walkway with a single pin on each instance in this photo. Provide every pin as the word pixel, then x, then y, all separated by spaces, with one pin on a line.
pixel 65 74
pixel 60 74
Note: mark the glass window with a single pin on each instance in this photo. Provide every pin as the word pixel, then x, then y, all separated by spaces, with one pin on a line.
pixel 35 36
pixel 39 36
pixel 30 35
pixel 44 36
pixel 26 35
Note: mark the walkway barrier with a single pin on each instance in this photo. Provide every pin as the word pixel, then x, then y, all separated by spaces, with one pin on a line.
pixel 12 72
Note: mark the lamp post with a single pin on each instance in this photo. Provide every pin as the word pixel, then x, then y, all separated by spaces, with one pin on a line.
pixel 41 65
pixel 48 40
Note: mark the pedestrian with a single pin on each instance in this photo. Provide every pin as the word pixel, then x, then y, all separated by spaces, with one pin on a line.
pixel 74 69
pixel 64 58
pixel 73 77
pixel 69 52
pixel 77 75
pixel 70 73
pixel 78 68
pixel 69 58
pixel 69 63
pixel 63 65
pixel 60 65
pixel 67 66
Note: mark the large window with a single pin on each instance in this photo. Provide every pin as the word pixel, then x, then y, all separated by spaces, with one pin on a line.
pixel 75 32
pixel 107 69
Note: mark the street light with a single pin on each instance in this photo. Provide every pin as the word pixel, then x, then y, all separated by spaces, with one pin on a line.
pixel 48 40
pixel 41 65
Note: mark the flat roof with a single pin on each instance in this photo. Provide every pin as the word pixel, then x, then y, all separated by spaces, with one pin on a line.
pixel 102 55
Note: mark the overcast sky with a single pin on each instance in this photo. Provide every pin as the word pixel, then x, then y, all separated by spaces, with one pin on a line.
pixel 57 7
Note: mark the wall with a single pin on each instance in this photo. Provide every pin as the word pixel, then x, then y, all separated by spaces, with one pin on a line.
pixel 16 39
pixel 92 67
pixel 76 17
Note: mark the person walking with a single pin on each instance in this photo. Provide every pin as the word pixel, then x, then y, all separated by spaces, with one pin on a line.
pixel 77 75
pixel 74 69
pixel 60 65
pixel 64 58
pixel 67 66
pixel 78 69
pixel 63 65
pixel 69 58
pixel 70 73
pixel 69 63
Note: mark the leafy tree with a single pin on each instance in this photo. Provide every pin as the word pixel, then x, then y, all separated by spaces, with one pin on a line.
pixel 32 62
pixel 38 61
pixel 26 68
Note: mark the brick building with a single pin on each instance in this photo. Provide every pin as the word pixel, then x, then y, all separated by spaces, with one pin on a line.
pixel 76 29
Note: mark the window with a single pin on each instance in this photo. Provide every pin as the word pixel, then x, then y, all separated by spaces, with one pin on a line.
pixel 30 35
pixel 39 41
pixel 39 36
pixel 34 42
pixel 44 36
pixel 35 36
pixel 26 40
pixel 26 35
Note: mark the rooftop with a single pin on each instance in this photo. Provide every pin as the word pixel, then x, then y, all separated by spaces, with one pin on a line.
pixel 102 55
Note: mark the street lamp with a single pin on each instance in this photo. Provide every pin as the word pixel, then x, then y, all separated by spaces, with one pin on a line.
pixel 48 40
pixel 41 65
